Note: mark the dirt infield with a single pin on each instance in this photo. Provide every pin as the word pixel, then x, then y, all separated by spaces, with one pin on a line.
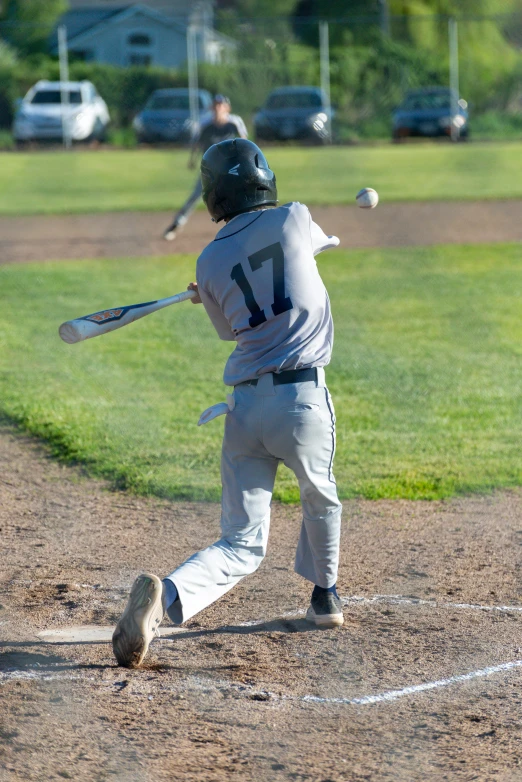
pixel 421 683
pixel 127 234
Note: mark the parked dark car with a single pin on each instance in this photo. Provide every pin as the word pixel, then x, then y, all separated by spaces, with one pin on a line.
pixel 166 116
pixel 300 113
pixel 431 112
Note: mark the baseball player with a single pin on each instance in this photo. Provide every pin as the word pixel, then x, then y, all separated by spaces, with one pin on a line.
pixel 220 126
pixel 259 283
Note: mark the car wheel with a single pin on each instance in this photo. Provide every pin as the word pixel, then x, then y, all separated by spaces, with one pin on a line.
pixel 99 131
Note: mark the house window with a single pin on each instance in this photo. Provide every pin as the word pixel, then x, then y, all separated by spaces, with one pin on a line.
pixel 139 59
pixel 139 39
pixel 85 55
pixel 139 49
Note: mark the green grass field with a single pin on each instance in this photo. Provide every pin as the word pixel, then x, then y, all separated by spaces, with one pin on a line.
pixel 426 375
pixel 100 181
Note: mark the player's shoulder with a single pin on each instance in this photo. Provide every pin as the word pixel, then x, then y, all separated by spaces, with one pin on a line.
pixel 205 254
pixel 297 210
pixel 295 206
pixel 204 261
pixel 279 214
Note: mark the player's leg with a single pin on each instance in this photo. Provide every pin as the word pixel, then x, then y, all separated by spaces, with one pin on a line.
pixel 303 435
pixel 184 213
pixel 247 473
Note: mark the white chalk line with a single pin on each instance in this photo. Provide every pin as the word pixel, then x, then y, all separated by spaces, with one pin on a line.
pixel 392 695
pixel 8 676
pixel 103 633
pixel 398 599
pixel 366 700
pixel 386 696
pixel 393 600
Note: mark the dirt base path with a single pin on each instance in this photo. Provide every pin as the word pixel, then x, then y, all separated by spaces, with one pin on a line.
pixel 124 234
pixel 425 685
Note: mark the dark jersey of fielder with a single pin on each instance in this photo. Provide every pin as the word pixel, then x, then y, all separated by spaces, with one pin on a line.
pixel 259 283
pixel 212 133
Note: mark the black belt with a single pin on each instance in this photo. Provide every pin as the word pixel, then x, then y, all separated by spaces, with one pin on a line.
pixel 288 376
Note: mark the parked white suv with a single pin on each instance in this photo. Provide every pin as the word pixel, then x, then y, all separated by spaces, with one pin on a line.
pixel 41 114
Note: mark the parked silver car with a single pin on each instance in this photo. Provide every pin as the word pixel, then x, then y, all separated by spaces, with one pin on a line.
pixel 52 106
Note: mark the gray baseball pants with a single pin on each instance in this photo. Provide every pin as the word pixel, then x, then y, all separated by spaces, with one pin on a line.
pixel 294 424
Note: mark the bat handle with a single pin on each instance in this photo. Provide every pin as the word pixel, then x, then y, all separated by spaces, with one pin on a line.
pixel 185 295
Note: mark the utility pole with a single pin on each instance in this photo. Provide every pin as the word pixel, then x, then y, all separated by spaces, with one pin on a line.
pixel 63 55
pixel 384 18
pixel 453 36
pixel 324 55
pixel 192 67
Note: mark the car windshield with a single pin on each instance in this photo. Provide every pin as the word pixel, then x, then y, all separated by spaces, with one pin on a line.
pixel 294 100
pixel 427 100
pixel 169 102
pixel 55 96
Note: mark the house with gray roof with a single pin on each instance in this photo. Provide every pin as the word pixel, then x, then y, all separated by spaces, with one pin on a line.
pixel 142 34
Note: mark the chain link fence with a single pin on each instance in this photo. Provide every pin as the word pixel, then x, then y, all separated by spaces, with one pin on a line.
pixel 373 62
pixel 372 70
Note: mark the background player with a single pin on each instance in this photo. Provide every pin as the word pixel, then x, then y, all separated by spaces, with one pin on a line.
pixel 259 283
pixel 221 125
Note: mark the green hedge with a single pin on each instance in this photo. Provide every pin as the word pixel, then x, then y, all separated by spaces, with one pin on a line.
pixel 124 89
pixel 367 82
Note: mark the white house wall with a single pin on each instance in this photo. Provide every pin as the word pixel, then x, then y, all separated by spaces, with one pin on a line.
pixel 109 43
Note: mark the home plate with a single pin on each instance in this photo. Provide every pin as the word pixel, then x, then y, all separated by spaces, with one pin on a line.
pixel 82 634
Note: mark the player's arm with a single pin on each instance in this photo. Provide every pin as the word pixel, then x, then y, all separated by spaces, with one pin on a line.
pixel 213 311
pixel 242 132
pixel 320 240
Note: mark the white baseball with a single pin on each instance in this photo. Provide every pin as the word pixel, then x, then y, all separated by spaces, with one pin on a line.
pixel 367 198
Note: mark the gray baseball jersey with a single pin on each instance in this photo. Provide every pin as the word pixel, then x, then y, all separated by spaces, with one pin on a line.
pixel 260 286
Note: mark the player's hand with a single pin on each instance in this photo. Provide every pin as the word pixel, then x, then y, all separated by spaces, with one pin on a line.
pixel 193 286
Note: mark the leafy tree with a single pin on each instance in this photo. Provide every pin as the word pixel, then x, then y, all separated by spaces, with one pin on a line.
pixel 362 20
pixel 27 24
pixel 7 55
pixel 251 9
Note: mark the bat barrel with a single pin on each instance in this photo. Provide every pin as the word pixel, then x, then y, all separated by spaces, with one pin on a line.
pixel 69 333
pixel 109 320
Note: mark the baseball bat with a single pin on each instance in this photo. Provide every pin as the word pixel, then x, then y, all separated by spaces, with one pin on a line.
pixel 115 318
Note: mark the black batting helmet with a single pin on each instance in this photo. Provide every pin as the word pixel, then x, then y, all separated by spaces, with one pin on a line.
pixel 236 177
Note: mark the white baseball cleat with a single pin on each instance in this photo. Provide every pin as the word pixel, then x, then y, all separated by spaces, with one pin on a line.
pixel 325 610
pixel 140 621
